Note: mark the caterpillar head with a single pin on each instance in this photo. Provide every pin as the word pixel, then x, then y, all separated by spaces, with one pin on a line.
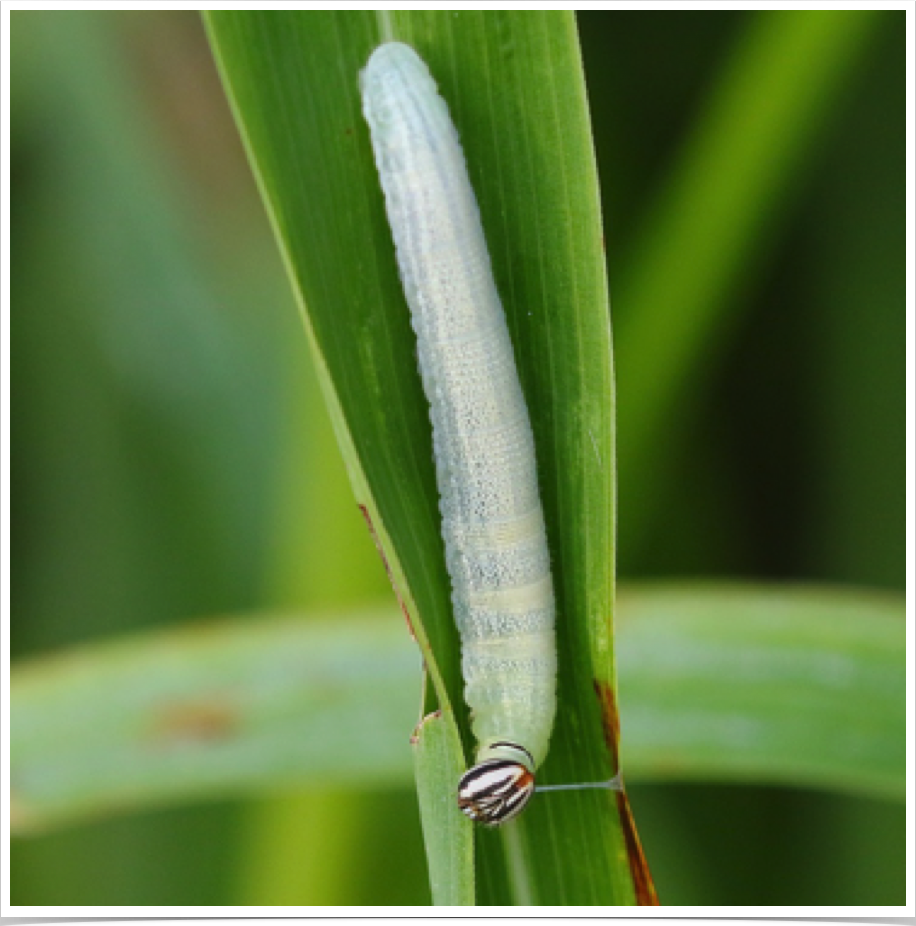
pixel 495 790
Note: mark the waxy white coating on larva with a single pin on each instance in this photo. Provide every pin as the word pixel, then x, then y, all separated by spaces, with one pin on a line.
pixel 492 522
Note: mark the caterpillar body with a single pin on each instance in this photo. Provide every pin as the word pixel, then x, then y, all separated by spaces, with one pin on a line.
pixel 492 521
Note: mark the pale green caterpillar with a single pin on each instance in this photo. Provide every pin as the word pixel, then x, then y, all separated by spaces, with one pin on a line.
pixel 492 522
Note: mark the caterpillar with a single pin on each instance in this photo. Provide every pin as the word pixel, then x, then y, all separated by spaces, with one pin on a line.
pixel 492 520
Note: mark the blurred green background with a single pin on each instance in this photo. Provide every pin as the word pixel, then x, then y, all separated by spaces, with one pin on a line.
pixel 174 459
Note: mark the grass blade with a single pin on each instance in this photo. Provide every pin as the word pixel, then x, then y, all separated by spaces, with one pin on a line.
pixel 801 686
pixel 515 88
pixel 439 762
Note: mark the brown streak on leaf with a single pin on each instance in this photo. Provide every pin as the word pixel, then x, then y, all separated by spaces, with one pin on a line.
pixel 643 886
pixel 415 736
pixel 610 720
pixel 368 519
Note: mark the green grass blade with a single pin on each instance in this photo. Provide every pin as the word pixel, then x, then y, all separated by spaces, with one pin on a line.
pixel 515 88
pixel 210 710
pixel 801 686
pixel 449 835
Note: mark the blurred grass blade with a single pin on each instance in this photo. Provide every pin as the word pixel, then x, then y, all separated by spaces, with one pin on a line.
pixel 798 686
pixel 514 85
pixel 210 710
pixel 728 188
pixel 448 833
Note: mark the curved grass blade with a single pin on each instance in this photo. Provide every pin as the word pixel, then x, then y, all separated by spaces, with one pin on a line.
pixel 209 710
pixel 803 686
pixel 816 675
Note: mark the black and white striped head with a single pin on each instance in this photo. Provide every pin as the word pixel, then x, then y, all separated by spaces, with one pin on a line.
pixel 495 790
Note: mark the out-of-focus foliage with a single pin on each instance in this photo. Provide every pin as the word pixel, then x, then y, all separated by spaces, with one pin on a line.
pixel 173 459
pixel 722 683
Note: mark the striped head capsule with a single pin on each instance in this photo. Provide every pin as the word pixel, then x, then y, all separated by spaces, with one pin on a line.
pixel 495 791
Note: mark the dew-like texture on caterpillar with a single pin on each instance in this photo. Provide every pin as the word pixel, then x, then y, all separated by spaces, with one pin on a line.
pixel 492 521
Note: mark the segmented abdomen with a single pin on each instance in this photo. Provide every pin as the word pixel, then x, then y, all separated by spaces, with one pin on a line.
pixel 492 522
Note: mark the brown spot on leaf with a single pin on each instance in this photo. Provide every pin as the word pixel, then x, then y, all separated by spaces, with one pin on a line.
pixel 643 886
pixel 201 721
pixel 24 819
